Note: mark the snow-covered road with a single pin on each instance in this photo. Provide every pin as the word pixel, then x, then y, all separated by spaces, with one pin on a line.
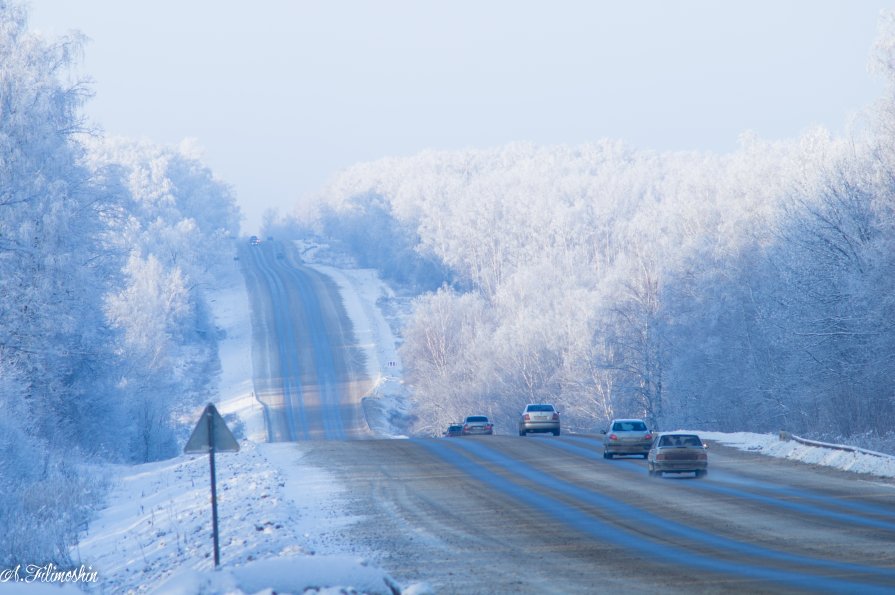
pixel 310 375
pixel 531 515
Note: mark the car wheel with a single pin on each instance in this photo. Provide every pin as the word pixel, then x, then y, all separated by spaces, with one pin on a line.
pixel 522 432
pixel 700 474
pixel 556 432
pixel 607 455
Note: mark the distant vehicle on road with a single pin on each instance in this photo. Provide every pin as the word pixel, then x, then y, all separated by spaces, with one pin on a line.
pixel 678 453
pixel 627 437
pixel 539 417
pixel 254 240
pixel 477 425
pixel 453 430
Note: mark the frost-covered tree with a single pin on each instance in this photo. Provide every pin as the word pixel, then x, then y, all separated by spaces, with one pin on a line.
pixel 744 291
pixel 448 377
pixel 174 228
pixel 53 354
pixel 176 209
pixel 88 248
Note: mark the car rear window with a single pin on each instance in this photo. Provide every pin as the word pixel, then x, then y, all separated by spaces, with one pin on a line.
pixel 679 440
pixel 629 426
pixel 475 418
pixel 540 407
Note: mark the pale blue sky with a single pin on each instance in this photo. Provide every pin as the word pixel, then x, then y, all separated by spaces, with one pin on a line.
pixel 283 95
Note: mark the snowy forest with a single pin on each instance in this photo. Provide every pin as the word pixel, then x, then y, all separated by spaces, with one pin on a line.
pixel 745 291
pixel 107 248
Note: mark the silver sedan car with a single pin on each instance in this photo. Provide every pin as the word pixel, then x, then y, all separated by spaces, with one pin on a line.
pixel 678 453
pixel 539 417
pixel 627 437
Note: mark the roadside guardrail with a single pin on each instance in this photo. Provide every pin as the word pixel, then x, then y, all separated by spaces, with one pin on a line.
pixel 787 436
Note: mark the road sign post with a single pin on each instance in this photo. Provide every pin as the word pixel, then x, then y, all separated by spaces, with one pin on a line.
pixel 211 435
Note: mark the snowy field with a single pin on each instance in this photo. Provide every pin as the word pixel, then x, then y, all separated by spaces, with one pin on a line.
pixel 282 525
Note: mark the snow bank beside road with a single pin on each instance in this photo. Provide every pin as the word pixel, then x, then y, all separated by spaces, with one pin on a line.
pixel 236 389
pixel 772 445
pixel 386 405
pixel 281 576
pixel 281 527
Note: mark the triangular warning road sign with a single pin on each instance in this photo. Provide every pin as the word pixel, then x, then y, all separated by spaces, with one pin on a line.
pixel 211 433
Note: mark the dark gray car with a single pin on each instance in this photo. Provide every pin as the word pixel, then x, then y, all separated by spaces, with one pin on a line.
pixel 454 430
pixel 477 425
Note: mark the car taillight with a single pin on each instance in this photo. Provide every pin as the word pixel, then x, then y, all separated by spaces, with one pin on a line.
pixel 648 437
pixel 660 457
pixel 613 437
pixel 465 426
pixel 526 417
pixel 556 417
pixel 489 426
pixel 701 456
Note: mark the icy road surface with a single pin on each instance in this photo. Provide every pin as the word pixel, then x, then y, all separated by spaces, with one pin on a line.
pixel 308 371
pixel 533 515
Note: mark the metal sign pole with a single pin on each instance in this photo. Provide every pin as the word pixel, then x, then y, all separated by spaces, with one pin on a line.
pixel 214 492
pixel 211 435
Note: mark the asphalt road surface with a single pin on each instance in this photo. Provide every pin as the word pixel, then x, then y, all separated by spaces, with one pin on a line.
pixel 506 514
pixel 308 374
